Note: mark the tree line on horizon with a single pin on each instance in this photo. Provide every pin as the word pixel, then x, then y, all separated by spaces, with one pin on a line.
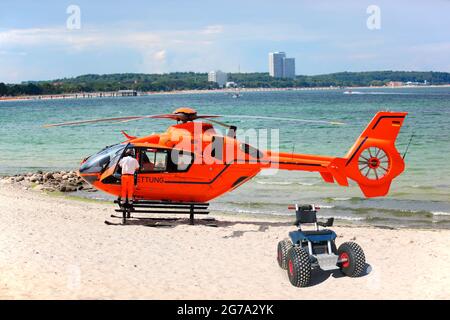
pixel 199 81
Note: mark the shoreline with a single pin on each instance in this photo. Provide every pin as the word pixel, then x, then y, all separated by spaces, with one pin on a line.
pixel 59 248
pixel 286 219
pixel 67 184
pixel 92 95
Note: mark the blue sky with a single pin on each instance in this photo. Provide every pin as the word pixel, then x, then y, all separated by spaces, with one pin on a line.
pixel 164 36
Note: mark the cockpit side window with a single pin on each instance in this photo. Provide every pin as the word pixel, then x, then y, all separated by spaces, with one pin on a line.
pixel 153 160
pixel 97 163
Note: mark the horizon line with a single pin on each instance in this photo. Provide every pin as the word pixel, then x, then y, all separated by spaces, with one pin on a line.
pixel 205 73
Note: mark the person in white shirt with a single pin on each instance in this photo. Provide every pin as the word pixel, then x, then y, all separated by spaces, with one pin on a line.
pixel 129 165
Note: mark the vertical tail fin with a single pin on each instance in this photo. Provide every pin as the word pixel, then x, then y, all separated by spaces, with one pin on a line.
pixel 373 161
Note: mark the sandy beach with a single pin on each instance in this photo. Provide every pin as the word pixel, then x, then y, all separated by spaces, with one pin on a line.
pixel 52 247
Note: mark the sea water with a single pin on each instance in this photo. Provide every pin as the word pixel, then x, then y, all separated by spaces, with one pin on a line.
pixel 419 197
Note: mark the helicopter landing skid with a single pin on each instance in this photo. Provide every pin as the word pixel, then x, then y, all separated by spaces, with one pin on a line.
pixel 161 207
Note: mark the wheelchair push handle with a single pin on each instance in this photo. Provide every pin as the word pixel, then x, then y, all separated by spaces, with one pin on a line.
pixel 304 207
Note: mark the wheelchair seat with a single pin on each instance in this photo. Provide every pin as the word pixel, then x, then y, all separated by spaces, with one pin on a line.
pixel 312 236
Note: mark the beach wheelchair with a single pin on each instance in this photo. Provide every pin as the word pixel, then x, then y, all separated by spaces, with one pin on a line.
pixel 306 250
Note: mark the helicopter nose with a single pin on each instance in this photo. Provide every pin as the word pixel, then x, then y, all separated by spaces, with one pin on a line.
pixel 88 171
pixel 92 167
pixel 90 177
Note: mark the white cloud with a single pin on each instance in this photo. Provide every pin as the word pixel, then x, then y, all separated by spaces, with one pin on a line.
pixel 86 39
pixel 436 47
pixel 215 29
pixel 196 49
pixel 363 56
pixel 151 45
pixel 71 39
pixel 160 56
pixel 154 61
pixel 203 48
pixel 429 56
pixel 12 53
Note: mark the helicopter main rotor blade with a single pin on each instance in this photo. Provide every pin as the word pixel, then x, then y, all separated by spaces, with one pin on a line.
pixel 126 119
pixel 282 119
pixel 115 119
pixel 179 117
pixel 223 124
pixel 208 116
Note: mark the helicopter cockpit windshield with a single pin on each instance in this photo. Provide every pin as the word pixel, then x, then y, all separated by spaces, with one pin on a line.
pixel 97 163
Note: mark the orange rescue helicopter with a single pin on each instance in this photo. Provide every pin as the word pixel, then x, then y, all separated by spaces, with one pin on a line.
pixel 191 164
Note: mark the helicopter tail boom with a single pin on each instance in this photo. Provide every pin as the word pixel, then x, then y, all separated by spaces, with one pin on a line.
pixel 372 162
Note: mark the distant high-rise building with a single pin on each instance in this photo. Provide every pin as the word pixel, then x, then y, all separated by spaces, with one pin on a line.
pixel 218 77
pixel 276 64
pixel 289 68
pixel 280 66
